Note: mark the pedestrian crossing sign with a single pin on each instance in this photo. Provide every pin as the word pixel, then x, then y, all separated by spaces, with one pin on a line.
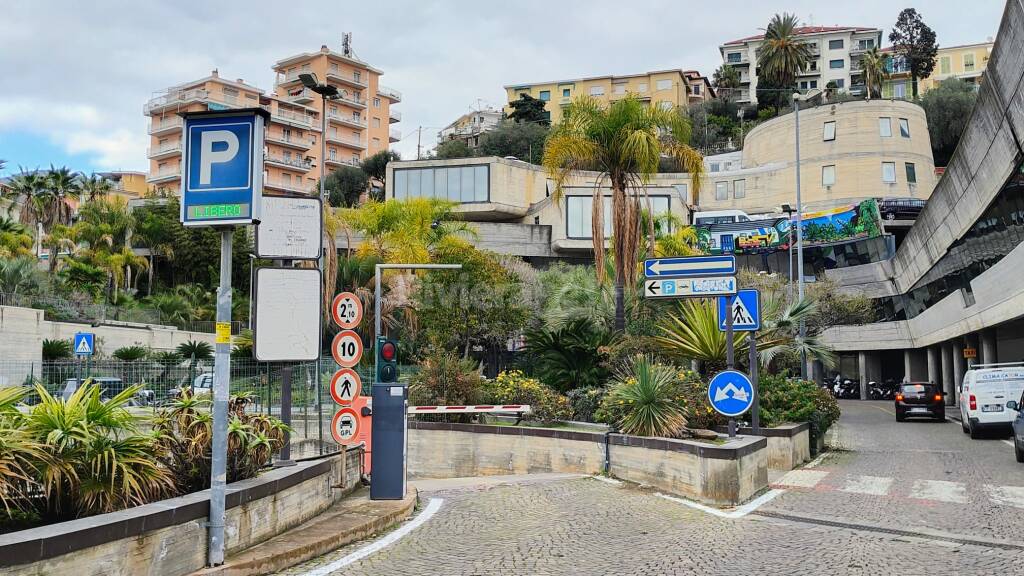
pixel 84 344
pixel 746 311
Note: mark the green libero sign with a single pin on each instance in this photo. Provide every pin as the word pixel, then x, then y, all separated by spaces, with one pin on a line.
pixel 214 211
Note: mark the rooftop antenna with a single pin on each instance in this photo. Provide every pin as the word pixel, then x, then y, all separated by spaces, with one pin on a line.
pixel 346 44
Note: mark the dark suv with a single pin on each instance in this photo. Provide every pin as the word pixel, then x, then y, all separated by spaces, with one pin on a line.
pixel 924 399
pixel 900 208
pixel 1018 427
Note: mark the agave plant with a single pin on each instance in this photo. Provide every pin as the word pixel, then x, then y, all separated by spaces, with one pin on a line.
pixel 19 454
pixel 645 397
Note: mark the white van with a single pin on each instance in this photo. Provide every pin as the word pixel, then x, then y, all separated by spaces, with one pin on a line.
pixel 984 393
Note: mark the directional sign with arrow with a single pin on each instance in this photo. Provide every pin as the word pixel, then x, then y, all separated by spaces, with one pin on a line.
pixel 690 287
pixel 724 265
pixel 730 393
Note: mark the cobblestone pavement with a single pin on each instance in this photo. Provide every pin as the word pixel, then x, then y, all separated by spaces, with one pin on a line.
pixel 909 477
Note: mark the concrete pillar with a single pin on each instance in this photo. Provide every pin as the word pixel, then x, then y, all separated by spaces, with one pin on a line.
pixel 959 367
pixel 816 371
pixel 933 365
pixel 862 374
pixel 947 372
pixel 989 354
pixel 908 364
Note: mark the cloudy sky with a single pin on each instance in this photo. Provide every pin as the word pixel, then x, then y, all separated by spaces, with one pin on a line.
pixel 76 74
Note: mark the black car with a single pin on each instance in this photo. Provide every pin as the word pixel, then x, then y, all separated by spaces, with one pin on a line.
pixel 900 208
pixel 920 399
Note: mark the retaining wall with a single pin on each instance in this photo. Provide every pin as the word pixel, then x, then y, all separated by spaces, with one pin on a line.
pixel 789 445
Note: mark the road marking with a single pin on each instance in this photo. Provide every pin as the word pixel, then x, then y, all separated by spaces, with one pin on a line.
pixel 874 485
pixel 1006 495
pixel 889 412
pixel 817 461
pixel 1009 443
pixel 802 478
pixel 737 512
pixel 606 480
pixel 941 490
pixel 432 507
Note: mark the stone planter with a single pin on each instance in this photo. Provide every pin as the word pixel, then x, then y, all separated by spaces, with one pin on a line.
pixel 789 445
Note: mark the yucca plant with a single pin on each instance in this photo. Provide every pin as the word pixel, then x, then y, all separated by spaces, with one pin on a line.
pixel 645 398
pixel 18 453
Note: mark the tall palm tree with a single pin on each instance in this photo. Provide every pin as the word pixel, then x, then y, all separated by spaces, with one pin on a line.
pixel 726 80
pixel 119 266
pixel 62 187
pixel 623 142
pixel 95 186
pixel 27 188
pixel 875 66
pixel 782 55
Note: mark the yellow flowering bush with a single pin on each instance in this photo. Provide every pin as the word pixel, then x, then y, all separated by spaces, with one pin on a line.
pixel 513 387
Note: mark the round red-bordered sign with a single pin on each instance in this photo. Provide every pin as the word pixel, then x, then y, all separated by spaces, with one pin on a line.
pixel 346 386
pixel 345 426
pixel 347 348
pixel 347 310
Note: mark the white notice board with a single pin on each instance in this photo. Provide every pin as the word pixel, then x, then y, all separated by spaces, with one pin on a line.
pixel 286 318
pixel 289 228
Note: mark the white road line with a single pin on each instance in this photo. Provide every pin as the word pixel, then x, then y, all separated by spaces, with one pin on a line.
pixel 432 507
pixel 873 485
pixel 737 512
pixel 1008 443
pixel 817 461
pixel 1006 495
pixel 802 478
pixel 940 490
pixel 606 480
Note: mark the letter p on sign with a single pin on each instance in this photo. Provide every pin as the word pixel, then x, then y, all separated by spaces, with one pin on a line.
pixel 208 156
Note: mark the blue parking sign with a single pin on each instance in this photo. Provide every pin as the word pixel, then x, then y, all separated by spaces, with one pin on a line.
pixel 222 176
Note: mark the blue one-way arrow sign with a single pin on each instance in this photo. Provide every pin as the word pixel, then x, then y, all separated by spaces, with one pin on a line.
pixel 724 265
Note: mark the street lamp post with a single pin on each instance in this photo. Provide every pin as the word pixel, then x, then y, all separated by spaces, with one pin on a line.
pixel 797 97
pixel 326 91
pixel 788 210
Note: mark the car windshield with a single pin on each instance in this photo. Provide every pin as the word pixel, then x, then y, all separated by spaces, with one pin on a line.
pixel 915 388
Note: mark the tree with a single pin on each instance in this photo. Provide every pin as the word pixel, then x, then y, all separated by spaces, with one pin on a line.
pixel 529 109
pixel 782 55
pixel 15 239
pixel 523 140
pixel 345 185
pixel 875 65
pixel 56 349
pixel 95 186
pixel 452 149
pixel 19 275
pixel 624 142
pixel 376 166
pixel 947 107
pixel 912 39
pixel 195 350
pixel 155 233
pixel 726 80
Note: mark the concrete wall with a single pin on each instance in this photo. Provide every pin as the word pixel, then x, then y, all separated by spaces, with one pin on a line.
pixel 169 538
pixel 721 475
pixel 789 445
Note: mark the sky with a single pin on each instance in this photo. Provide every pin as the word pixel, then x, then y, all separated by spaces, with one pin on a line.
pixel 77 74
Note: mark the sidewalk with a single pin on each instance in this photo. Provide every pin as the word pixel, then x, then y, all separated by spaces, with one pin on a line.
pixel 352 519
pixel 953 413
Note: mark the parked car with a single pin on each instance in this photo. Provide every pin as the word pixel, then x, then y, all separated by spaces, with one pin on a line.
pixel 920 399
pixel 985 391
pixel 1018 427
pixel 900 208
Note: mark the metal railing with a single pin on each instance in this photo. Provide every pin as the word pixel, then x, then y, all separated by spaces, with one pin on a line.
pixel 288 186
pixel 348 78
pixel 394 116
pixel 288 116
pixel 346 140
pixel 292 162
pixel 163 174
pixel 155 127
pixel 395 134
pixel 338 117
pixel 289 140
pixel 159 150
pixel 343 97
pixel 345 161
pixel 388 92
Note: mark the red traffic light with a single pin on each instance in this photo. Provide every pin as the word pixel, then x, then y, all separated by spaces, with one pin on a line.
pixel 388 352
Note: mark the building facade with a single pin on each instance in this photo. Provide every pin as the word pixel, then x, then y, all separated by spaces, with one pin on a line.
pixel 965 62
pixel 665 88
pixel 835 51
pixel 358 121
pixel 470 126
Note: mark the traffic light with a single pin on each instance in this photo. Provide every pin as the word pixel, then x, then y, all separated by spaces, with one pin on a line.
pixel 387 360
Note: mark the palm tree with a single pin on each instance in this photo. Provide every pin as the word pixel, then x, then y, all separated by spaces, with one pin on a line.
pixel 15 239
pixel 27 188
pixel 119 265
pixel 19 275
pixel 726 80
pixel 62 187
pixel 875 66
pixel 782 55
pixel 623 142
pixel 95 186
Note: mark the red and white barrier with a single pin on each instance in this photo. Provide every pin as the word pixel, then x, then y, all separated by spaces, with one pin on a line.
pixel 496 408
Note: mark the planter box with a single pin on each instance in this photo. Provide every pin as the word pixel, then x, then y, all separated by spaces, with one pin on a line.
pixel 722 475
pixel 789 445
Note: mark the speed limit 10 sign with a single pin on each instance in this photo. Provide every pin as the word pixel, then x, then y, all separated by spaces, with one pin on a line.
pixel 347 310
pixel 347 348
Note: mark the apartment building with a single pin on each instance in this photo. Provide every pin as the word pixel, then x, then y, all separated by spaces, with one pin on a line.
pixel 358 121
pixel 966 62
pixel 835 57
pixel 665 88
pixel 126 184
pixel 470 126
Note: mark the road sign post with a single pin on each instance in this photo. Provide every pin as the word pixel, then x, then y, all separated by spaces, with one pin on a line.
pixel 729 355
pixel 730 393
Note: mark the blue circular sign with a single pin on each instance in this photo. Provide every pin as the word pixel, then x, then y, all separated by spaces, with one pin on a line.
pixel 730 393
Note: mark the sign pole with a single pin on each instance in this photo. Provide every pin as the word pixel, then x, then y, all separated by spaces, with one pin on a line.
pixel 285 459
pixel 755 415
pixel 221 391
pixel 729 353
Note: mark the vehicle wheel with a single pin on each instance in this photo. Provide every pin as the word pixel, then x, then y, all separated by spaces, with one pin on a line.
pixel 940 418
pixel 1018 450
pixel 963 424
pixel 900 417
pixel 975 433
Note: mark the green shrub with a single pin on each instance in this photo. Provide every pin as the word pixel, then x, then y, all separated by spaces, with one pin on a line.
pixel 694 394
pixel 644 400
pixel 791 400
pixel 445 379
pixel 568 357
pixel 56 349
pixel 513 387
pixel 131 353
pixel 585 402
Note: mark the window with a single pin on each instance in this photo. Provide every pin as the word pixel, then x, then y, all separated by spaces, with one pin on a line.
pixel 565 92
pixel 840 82
pixel 545 95
pixel 969 62
pixel 333 153
pixel 899 90
pixel 578 211
pixel 376 142
pixel 867 44
pixel 829 132
pixel 619 88
pixel 944 65
pixel 663 84
pixel 885 127
pixel 911 173
pixel 721 190
pixel 904 128
pixel 828 175
pixel 357 75
pixel 733 57
pixel 597 90
pixel 456 183
pixel 715 166
pixel 835 44
pixel 376 102
pixel 696 89
pixel 739 189
pixel 334 66
pixel 642 87
pixel 814 84
pixel 836 64
pixel 376 122
pixel 889 172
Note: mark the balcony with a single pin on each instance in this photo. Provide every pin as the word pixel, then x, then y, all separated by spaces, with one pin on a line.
pixel 809 72
pixel 287 186
pixel 345 140
pixel 742 61
pixel 179 98
pixel 291 118
pixel 293 163
pixel 389 93
pixel 346 119
pixel 304 96
pixel 164 176
pixel 165 151
pixel 289 141
pixel 341 162
pixel 168 125
pixel 351 100
pixel 348 79
pixel 394 135
pixel 394 116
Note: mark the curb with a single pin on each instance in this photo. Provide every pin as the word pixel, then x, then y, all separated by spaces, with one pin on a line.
pixel 346 523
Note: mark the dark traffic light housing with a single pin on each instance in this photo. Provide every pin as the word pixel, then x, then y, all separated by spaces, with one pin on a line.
pixel 387 360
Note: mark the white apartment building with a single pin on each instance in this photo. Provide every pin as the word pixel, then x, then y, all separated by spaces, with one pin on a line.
pixel 835 50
